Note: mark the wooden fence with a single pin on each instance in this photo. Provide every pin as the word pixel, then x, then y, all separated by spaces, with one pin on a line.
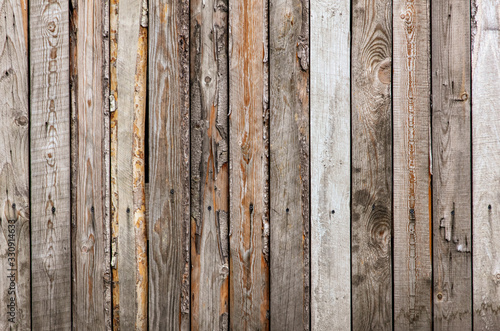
pixel 249 165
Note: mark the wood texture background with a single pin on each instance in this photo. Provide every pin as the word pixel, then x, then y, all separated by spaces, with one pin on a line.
pixel 249 165
pixel 330 166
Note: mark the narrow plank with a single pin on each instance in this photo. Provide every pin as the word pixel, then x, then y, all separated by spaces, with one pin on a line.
pixel 289 157
pixel 330 166
pixel 412 177
pixel 486 156
pixel 371 165
pixel 128 89
pixel 169 199
pixel 14 168
pixel 248 165
pixel 90 165
pixel 50 165
pixel 209 165
pixel 451 165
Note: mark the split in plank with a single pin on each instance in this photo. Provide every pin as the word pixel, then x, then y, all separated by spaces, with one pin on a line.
pixel 412 177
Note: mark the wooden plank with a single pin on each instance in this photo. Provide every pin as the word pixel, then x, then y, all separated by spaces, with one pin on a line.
pixel 128 23
pixel 412 177
pixel 248 165
pixel 371 165
pixel 90 165
pixel 330 166
pixel 50 165
pixel 209 165
pixel 14 168
pixel 486 156
pixel 289 157
pixel 169 221
pixel 451 166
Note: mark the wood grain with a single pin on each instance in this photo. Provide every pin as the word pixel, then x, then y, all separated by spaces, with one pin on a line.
pixel 330 166
pixel 371 165
pixel 486 155
pixel 14 168
pixel 412 177
pixel 289 157
pixel 169 222
pixel 248 165
pixel 451 148
pixel 128 89
pixel 50 165
pixel 209 165
pixel 90 166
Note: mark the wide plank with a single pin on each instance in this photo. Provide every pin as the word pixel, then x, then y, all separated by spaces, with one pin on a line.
pixel 209 165
pixel 485 34
pixel 371 167
pixel 248 165
pixel 451 165
pixel 330 165
pixel 289 163
pixel 15 278
pixel 128 25
pixel 169 199
pixel 90 165
pixel 50 165
pixel 412 172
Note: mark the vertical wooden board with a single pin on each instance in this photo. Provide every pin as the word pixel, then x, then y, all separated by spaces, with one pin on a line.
pixel 412 177
pixel 50 165
pixel 371 165
pixel 248 165
pixel 14 168
pixel 451 165
pixel 209 165
pixel 90 166
pixel 486 155
pixel 128 89
pixel 330 166
pixel 169 198
pixel 289 157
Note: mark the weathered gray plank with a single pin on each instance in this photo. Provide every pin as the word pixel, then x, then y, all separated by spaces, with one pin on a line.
pixel 169 166
pixel 248 165
pixel 90 165
pixel 209 165
pixel 371 165
pixel 128 87
pixel 14 168
pixel 412 177
pixel 289 157
pixel 51 268
pixel 50 165
pixel 451 165
pixel 330 166
pixel 486 157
